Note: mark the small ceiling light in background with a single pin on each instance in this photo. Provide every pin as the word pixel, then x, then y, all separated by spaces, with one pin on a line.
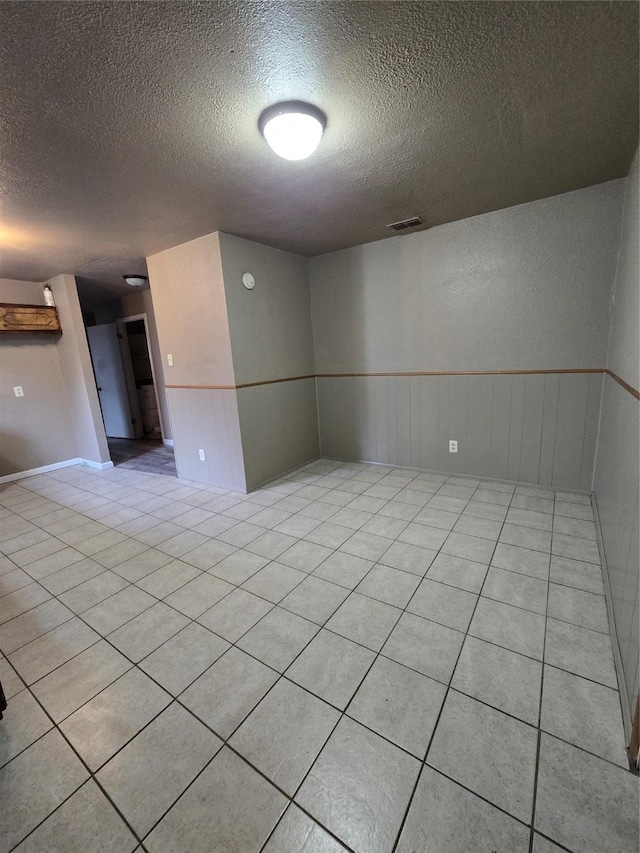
pixel 293 129
pixel 136 280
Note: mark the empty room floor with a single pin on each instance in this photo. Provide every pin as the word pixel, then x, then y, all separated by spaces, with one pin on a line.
pixel 357 657
pixel 148 455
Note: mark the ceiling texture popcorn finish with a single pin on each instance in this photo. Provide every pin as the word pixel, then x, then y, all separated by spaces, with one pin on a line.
pixel 127 128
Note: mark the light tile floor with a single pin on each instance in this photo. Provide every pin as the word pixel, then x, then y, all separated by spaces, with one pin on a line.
pixel 357 657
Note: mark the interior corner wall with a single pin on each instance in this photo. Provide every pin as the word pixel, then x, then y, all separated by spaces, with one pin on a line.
pixel 616 480
pixel 481 330
pixel 56 420
pixel 191 316
pixel 273 360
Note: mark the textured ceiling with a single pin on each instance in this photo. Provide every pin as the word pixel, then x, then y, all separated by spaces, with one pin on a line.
pixel 127 128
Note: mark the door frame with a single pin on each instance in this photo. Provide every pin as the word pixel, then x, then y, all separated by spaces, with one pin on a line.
pixel 121 324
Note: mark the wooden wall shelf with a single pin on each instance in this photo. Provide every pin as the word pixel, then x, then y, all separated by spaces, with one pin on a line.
pixel 29 319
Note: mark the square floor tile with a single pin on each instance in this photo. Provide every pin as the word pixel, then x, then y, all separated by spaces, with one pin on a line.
pixel 524 561
pixel 581 651
pixel 351 517
pixel 23 724
pixel 469 547
pixel 446 817
pixel 241 534
pixel 113 612
pixel 343 569
pixel 238 567
pixel 235 614
pixel 240 680
pixel 285 733
pixel 69 686
pixel 278 638
pixel 577 574
pixel 488 752
pixel 526 537
pixel 485 510
pixel 18 602
pixel 431 538
pixel 370 781
pixel 445 604
pixel 274 581
pixel 123 550
pixel 585 803
pixel 123 708
pixel 146 777
pixel 93 591
pixel 530 518
pixel 389 528
pixel 184 657
pixel 483 528
pixel 197 596
pixel 305 556
pixel 73 575
pixel 182 543
pixel 142 565
pixel 458 572
pixel 486 495
pixel 425 646
pixel 86 821
pixel 271 544
pixel 576 548
pixel 328 534
pixel 56 647
pixel 332 667
pixel 578 607
pixel 408 558
pixel 139 637
pixel 510 627
pixel 368 546
pixel 34 623
pixel 166 580
pixel 448 503
pixel 315 599
pixel 296 831
pixel 399 704
pixel 12 684
pixel 575 527
pixel 498 677
pixel 34 784
pixel 517 590
pixel 397 509
pixel 364 620
pixel 245 810
pixel 208 554
pixel 583 713
pixel 389 585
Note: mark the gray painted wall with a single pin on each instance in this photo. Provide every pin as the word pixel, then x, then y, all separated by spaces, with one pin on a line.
pixel 617 466
pixel 522 288
pixel 534 428
pixel 270 331
pixel 526 288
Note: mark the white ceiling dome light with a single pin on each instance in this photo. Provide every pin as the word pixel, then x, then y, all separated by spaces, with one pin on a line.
pixel 293 129
pixel 135 280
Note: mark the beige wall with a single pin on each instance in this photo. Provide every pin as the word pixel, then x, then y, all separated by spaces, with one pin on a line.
pixel 191 316
pixel 57 418
pixel 616 480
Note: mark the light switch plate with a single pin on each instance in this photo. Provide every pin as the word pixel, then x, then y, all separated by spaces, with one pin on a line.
pixel 17 390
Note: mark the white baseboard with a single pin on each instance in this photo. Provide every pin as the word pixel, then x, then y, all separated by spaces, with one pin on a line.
pixel 44 469
pixel 168 442
pixel 101 466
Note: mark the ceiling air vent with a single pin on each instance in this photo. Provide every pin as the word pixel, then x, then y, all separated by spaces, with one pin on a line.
pixel 406 223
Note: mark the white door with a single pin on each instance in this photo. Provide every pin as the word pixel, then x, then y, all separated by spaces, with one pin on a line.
pixel 111 381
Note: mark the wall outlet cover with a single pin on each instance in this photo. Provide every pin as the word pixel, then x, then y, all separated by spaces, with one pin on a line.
pixel 453 447
pixel 201 454
pixel 169 359
pixel 17 390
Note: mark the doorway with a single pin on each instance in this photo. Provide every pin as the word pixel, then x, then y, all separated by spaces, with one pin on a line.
pixel 128 393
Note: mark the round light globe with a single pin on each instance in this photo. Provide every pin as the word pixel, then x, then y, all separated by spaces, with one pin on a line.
pixel 293 130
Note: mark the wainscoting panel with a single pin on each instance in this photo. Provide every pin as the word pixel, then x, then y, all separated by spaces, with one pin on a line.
pixel 207 419
pixel 535 428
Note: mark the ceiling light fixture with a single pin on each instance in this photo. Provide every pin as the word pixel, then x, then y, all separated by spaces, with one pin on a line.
pixel 293 129
pixel 136 280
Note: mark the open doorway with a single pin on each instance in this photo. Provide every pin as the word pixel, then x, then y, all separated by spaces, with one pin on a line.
pixel 128 392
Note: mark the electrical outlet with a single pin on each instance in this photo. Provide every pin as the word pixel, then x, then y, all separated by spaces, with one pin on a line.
pixel 453 447
pixel 201 452
pixel 17 390
pixel 169 359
